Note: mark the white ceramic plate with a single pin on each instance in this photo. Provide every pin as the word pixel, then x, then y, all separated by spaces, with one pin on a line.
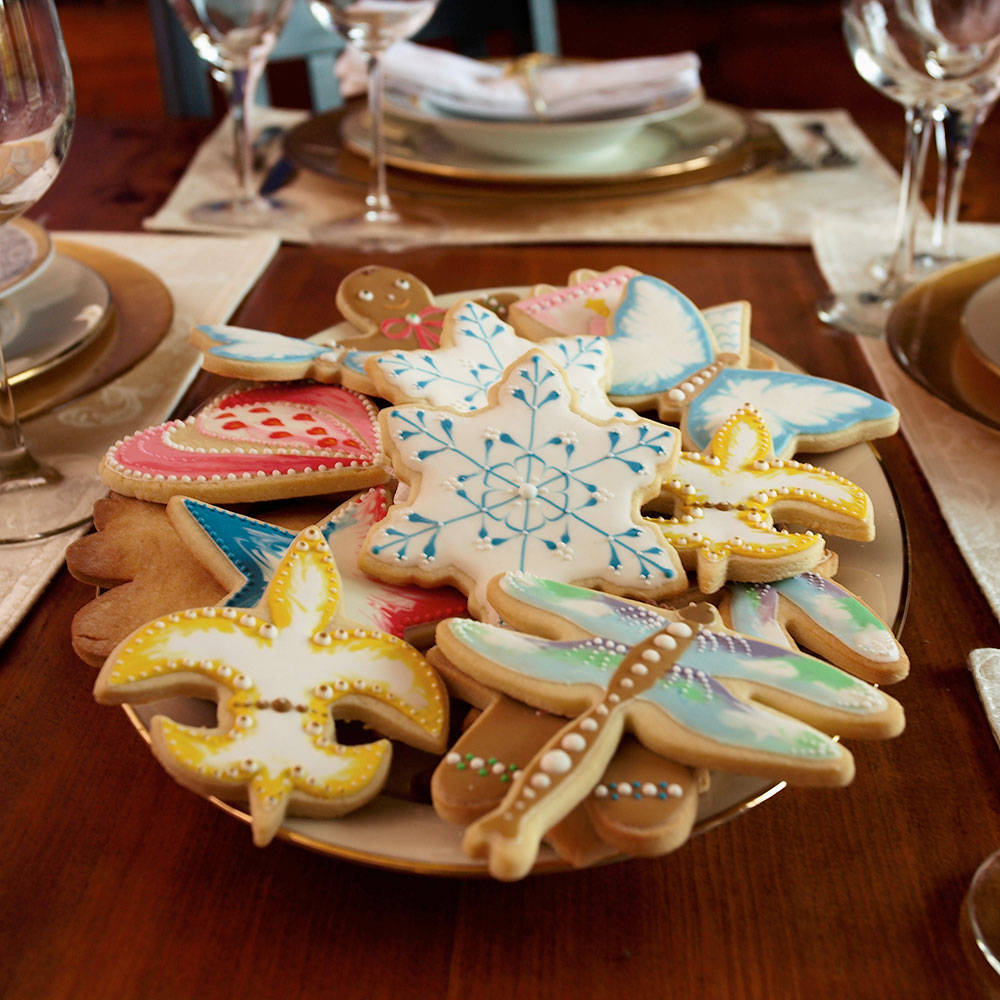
pixel 25 250
pixel 688 141
pixel 537 141
pixel 398 834
pixel 981 323
pixel 48 319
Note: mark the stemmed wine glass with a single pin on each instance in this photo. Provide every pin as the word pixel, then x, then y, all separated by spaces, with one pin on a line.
pixel 36 121
pixel 236 38
pixel 372 26
pixel 925 54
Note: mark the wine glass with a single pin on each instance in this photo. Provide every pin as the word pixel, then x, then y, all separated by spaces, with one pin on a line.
pixel 925 54
pixel 236 38
pixel 979 925
pixel 372 26
pixel 36 121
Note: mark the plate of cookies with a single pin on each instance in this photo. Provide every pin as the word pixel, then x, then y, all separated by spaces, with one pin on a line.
pixel 503 581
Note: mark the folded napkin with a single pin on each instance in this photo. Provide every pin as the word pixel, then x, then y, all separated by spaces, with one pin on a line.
pixel 207 278
pixel 765 206
pixel 942 439
pixel 459 85
pixel 985 667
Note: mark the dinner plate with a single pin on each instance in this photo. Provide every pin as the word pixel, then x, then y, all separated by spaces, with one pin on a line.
pixel 25 249
pixel 674 146
pixel 46 320
pixel 537 140
pixel 926 335
pixel 981 323
pixel 396 833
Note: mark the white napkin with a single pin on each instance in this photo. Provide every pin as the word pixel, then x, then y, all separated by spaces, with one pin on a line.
pixel 459 85
pixel 942 439
pixel 207 278
pixel 985 667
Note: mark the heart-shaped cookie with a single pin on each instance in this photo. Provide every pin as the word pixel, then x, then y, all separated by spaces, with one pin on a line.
pixel 261 443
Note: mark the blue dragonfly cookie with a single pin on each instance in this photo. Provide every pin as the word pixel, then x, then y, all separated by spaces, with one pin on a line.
pixel 691 365
pixel 709 698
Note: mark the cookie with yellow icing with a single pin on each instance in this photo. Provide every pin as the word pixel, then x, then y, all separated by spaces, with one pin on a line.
pixel 280 678
pixel 724 504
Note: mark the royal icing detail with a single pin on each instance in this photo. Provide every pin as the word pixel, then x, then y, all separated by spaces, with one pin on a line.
pixel 755 609
pixel 278 681
pixel 476 349
pixel 300 430
pixel 801 411
pixel 725 501
pixel 525 483
pixel 253 551
pixel 242 352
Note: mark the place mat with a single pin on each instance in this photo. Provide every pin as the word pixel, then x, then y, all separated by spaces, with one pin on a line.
pixel 766 206
pixel 141 313
pixel 207 278
pixel 941 438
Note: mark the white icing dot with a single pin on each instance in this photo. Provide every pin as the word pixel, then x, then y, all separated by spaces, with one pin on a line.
pixel 453 757
pixel 624 789
pixel 541 780
pixel 573 742
pixel 649 790
pixel 588 725
pixel 601 792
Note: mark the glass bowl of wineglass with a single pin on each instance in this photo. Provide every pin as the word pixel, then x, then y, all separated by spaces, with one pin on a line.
pixel 236 38
pixel 36 121
pixel 371 27
pixel 927 55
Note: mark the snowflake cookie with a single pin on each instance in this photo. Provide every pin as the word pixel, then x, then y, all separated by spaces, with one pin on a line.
pixel 526 482
pixel 725 501
pixel 280 679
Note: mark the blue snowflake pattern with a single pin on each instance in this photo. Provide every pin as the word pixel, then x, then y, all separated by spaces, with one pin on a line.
pixel 529 484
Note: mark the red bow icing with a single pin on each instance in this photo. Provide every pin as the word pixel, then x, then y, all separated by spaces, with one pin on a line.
pixel 424 326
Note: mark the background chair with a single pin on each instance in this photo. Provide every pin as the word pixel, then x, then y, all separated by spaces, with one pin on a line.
pixel 468 26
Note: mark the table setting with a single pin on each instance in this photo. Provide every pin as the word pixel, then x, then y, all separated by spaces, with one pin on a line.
pixel 185 337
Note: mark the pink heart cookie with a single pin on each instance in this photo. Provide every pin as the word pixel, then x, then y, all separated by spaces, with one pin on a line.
pixel 260 443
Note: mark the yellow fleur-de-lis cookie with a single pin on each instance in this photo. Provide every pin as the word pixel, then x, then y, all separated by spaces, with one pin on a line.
pixel 279 682
pixel 726 500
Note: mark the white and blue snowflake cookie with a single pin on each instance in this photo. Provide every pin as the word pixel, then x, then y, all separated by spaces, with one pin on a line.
pixel 527 482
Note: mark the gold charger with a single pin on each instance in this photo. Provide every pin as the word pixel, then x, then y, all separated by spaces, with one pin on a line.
pixel 925 336
pixel 140 316
pixel 743 145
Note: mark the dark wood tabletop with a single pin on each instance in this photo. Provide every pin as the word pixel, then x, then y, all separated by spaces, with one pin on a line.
pixel 116 882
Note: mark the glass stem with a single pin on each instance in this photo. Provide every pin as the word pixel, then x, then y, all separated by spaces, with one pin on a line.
pixel 378 201
pixel 957 129
pixel 241 86
pixel 899 271
pixel 18 470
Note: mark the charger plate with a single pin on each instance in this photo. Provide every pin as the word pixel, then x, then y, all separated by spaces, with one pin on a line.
pixel 711 143
pixel 399 834
pixel 926 335
pixel 139 317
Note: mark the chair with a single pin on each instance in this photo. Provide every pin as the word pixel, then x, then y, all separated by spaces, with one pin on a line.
pixel 467 26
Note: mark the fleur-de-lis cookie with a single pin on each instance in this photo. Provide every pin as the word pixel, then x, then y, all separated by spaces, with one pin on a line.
pixel 725 502
pixel 280 678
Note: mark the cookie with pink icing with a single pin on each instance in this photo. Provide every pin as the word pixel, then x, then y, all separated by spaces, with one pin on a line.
pixel 280 675
pixel 724 503
pixel 261 443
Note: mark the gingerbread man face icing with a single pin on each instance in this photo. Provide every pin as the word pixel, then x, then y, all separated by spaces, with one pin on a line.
pixel 391 308
pixel 279 679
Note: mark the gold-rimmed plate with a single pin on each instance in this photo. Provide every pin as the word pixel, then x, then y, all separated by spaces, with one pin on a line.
pixel 710 143
pixel 926 335
pixel 397 833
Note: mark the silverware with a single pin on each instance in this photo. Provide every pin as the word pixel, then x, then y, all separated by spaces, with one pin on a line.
pixel 281 173
pixel 833 157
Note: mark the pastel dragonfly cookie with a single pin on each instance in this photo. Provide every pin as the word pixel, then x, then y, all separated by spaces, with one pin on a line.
pixel 280 677
pixel 244 553
pixel 260 443
pixel 814 611
pixel 689 691
pixel 642 805
pixel 724 504
pixel 260 356
pixel 476 347
pixel 526 482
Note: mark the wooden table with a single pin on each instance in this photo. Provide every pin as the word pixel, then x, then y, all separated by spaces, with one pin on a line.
pixel 118 883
